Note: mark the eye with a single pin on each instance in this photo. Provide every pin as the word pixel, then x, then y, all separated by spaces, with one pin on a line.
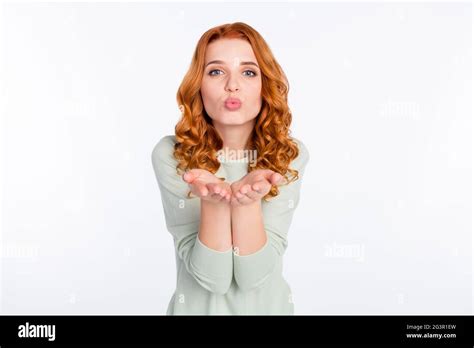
pixel 251 71
pixel 211 72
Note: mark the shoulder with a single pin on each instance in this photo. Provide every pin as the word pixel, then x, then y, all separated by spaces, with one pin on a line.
pixel 165 144
pixel 163 150
pixel 165 166
pixel 303 154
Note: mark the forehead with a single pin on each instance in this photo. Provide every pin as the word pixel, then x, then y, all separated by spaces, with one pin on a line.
pixel 230 49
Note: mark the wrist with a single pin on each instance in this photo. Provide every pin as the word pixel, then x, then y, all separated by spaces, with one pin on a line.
pixel 212 203
pixel 251 205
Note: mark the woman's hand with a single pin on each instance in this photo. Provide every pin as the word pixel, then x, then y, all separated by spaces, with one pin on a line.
pixel 207 186
pixel 254 186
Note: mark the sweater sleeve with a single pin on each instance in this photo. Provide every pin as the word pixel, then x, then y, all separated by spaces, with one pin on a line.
pixel 251 271
pixel 212 269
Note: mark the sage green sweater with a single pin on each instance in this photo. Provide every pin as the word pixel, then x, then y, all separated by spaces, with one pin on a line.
pixel 214 282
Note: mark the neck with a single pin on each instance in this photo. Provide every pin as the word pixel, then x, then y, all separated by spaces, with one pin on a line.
pixel 235 137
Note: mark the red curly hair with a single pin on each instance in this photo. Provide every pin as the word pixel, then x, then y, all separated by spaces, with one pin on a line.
pixel 197 139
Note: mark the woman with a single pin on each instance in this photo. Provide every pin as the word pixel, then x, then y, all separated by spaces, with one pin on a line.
pixel 229 215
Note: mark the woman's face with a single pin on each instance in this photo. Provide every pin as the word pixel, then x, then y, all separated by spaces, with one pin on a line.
pixel 231 71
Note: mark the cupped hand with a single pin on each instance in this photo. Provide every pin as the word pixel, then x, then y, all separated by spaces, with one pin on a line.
pixel 207 186
pixel 254 186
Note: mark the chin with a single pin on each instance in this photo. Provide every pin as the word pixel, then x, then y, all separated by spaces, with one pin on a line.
pixel 232 123
pixel 231 119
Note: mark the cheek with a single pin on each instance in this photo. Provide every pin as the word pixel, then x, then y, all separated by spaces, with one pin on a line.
pixel 208 92
pixel 206 99
pixel 204 93
pixel 210 99
pixel 256 93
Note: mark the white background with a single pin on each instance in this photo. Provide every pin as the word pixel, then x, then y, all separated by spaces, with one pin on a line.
pixel 381 96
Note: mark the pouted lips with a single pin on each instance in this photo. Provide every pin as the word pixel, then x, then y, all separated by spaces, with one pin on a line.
pixel 232 103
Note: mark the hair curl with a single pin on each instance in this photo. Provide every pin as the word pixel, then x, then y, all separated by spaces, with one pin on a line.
pixel 197 139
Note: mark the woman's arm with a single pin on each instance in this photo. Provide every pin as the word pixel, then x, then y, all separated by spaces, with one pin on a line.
pixel 215 228
pixel 248 234
pixel 214 194
pixel 260 229
pixel 211 268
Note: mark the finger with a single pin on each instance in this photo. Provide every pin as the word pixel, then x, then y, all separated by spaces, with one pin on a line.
pixel 225 189
pixel 213 188
pixel 253 195
pixel 235 187
pixel 188 177
pixel 227 193
pixel 217 197
pixel 238 195
pixel 248 192
pixel 201 189
pixel 276 178
pixel 267 174
pixel 260 186
pixel 242 198
pixel 196 173
pixel 220 191
pixel 245 188
pixel 222 195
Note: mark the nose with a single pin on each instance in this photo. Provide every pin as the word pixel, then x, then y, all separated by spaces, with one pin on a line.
pixel 232 84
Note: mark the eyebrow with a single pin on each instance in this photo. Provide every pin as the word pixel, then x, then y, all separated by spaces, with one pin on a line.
pixel 241 63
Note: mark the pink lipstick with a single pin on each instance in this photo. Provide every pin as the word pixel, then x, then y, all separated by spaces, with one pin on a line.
pixel 232 104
